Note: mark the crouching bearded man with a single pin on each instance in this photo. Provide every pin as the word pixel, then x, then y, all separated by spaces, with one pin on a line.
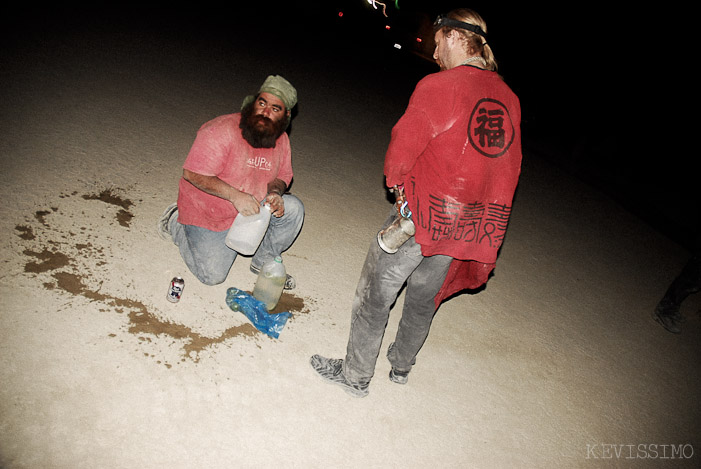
pixel 237 163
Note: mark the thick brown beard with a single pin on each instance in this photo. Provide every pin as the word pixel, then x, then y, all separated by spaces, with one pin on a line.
pixel 258 137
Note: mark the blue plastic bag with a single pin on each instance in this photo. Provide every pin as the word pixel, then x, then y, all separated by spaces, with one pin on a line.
pixel 256 312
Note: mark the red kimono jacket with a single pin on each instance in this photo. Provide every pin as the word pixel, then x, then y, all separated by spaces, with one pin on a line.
pixel 457 151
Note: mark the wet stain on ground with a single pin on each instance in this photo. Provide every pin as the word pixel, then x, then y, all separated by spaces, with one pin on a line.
pixel 289 302
pixel 41 215
pixel 124 216
pixel 49 260
pixel 109 197
pixel 26 232
pixel 142 321
pixel 63 264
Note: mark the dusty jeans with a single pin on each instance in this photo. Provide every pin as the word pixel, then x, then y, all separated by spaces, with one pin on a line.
pixel 382 277
pixel 210 260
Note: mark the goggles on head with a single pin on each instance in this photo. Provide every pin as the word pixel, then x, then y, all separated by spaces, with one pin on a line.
pixel 444 21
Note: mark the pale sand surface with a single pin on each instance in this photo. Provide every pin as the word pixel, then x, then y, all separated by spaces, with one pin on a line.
pixel 555 358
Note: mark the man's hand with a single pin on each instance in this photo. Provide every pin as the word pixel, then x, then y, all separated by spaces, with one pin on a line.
pixel 276 188
pixel 399 197
pixel 277 205
pixel 244 203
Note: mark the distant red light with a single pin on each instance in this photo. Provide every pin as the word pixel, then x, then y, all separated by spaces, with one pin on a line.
pixel 340 14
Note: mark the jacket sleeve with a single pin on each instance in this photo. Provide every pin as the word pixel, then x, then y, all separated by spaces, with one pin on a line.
pixel 410 137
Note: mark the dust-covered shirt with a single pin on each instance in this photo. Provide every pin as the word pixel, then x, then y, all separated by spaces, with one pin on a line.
pixel 220 150
pixel 457 151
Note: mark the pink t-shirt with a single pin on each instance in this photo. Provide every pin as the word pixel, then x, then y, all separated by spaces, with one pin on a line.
pixel 220 150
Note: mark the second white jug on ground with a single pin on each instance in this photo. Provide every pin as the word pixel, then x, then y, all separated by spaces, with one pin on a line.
pixel 270 283
pixel 247 232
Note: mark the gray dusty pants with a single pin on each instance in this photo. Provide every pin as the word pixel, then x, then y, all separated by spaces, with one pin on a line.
pixel 382 277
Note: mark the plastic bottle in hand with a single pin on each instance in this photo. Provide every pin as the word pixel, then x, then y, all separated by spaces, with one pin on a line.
pixel 270 283
pixel 247 232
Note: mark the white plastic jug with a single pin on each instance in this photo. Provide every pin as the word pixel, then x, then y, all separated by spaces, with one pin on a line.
pixel 270 283
pixel 247 232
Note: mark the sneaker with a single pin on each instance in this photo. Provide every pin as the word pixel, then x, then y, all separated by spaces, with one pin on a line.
pixel 396 376
pixel 163 226
pixel 399 377
pixel 290 282
pixel 331 369
pixel 670 321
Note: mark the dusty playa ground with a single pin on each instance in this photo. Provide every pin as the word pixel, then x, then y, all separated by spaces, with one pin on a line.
pixel 557 363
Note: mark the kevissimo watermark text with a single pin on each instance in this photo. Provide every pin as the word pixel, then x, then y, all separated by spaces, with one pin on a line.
pixel 639 451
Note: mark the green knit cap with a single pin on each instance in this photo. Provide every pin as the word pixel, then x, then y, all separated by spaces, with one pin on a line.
pixel 283 89
pixel 277 86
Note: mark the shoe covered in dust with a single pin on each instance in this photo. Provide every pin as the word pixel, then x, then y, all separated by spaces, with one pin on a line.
pixel 670 319
pixel 331 370
pixel 396 376
pixel 163 226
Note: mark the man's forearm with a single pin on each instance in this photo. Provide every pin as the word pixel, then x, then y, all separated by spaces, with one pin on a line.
pixel 244 203
pixel 212 185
